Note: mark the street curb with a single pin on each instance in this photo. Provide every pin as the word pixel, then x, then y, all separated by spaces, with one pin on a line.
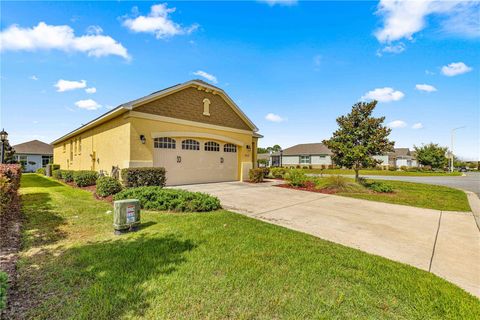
pixel 474 202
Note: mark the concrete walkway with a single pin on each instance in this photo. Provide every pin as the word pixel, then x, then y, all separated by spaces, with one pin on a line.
pixel 445 243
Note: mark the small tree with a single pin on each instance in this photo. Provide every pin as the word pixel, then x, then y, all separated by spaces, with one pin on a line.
pixel 431 155
pixel 359 137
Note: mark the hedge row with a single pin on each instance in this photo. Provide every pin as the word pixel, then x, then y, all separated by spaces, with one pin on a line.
pixel 157 198
pixel 10 175
pixel 141 177
pixel 82 178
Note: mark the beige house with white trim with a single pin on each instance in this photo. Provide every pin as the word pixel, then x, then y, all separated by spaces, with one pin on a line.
pixel 193 129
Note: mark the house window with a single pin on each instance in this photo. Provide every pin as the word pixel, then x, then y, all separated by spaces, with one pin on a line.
pixel 164 143
pixel 71 150
pixel 305 160
pixel 79 145
pixel 206 107
pixel 46 160
pixel 212 146
pixel 64 147
pixel 229 147
pixel 22 159
pixel 76 146
pixel 190 144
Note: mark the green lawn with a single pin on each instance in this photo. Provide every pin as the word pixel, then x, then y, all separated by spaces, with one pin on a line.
pixel 382 172
pixel 210 265
pixel 417 195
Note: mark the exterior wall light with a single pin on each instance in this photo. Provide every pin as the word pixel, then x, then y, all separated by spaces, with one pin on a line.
pixel 143 139
pixel 179 159
pixel 248 147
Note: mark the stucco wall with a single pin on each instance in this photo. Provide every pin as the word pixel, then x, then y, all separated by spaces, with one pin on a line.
pixel 108 142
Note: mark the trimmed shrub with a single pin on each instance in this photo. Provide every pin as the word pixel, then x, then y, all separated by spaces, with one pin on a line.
pixel 85 178
pixel 107 186
pixel 3 289
pixel 296 177
pixel 392 169
pixel 266 172
pixel 57 174
pixel 255 175
pixel 40 171
pixel 157 198
pixel 10 175
pixel 379 187
pixel 140 177
pixel 278 173
pixel 67 175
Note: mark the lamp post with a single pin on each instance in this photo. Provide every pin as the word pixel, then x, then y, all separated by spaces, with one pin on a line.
pixel 3 139
pixel 281 158
pixel 451 146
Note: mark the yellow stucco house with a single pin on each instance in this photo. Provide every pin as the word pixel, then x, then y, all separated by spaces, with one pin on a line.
pixel 194 130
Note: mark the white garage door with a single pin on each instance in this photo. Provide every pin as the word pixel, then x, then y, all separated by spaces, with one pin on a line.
pixel 195 161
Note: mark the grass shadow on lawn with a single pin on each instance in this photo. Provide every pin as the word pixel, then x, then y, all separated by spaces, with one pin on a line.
pixel 33 182
pixel 112 278
pixel 46 220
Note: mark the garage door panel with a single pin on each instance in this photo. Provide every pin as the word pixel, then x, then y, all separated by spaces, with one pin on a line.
pixel 196 166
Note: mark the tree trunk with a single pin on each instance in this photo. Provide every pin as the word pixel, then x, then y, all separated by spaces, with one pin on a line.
pixel 357 174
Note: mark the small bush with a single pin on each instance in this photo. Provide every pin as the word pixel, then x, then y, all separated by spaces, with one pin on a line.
pixel 379 187
pixel 139 177
pixel 67 175
pixel 10 175
pixel 157 198
pixel 40 171
pixel 296 177
pixel 57 174
pixel 403 168
pixel 107 186
pixel 3 289
pixel 336 182
pixel 255 175
pixel 85 178
pixel 266 172
pixel 392 169
pixel 278 173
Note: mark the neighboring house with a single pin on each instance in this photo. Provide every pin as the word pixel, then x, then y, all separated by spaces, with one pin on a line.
pixel 402 157
pixel 192 129
pixel 316 155
pixel 33 154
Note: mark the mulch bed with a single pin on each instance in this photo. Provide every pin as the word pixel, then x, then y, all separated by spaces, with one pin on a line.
pixel 93 190
pixel 309 186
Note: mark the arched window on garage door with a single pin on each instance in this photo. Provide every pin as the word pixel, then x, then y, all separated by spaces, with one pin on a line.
pixel 212 146
pixel 164 143
pixel 229 147
pixel 190 144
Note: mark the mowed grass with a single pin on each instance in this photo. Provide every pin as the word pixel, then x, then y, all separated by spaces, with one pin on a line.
pixel 216 265
pixel 374 172
pixel 412 194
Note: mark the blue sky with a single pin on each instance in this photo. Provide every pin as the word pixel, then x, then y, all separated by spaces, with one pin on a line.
pixel 293 67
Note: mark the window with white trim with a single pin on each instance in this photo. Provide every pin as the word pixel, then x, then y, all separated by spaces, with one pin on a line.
pixel 305 160
pixel 212 146
pixel 164 143
pixel 46 160
pixel 190 144
pixel 229 147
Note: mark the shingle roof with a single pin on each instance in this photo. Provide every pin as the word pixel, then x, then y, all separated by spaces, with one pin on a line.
pixel 34 147
pixel 307 149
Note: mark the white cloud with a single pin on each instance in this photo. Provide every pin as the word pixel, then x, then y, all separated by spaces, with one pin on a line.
pixel 455 68
pixel 88 104
pixel 430 73
pixel 208 76
pixel 91 90
pixel 392 48
pixel 383 95
pixel 274 117
pixel 34 77
pixel 157 22
pixel 47 37
pixel 66 85
pixel 402 19
pixel 425 87
pixel 279 2
pixel 417 125
pixel 397 124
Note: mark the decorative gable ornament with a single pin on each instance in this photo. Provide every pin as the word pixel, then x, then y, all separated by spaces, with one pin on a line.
pixel 206 107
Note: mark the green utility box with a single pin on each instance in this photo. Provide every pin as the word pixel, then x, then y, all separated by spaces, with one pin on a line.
pixel 126 215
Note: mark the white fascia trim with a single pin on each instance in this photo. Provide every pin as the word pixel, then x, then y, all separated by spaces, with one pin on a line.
pixel 142 115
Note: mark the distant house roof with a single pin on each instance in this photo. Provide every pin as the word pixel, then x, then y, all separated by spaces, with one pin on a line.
pixel 402 153
pixel 307 149
pixel 263 156
pixel 34 147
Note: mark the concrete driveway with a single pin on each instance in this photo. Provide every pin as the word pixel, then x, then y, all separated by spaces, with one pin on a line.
pixel 445 243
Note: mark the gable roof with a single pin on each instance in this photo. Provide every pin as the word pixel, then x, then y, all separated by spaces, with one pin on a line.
pixel 128 106
pixel 307 149
pixel 401 152
pixel 34 147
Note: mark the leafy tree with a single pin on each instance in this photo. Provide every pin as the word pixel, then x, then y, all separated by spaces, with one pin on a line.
pixel 359 137
pixel 432 155
pixel 261 150
pixel 9 153
pixel 275 148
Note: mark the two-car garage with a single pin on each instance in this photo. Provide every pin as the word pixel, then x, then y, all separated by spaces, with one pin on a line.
pixel 193 160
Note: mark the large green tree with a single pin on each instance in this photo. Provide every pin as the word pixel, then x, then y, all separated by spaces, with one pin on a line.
pixel 432 155
pixel 358 138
